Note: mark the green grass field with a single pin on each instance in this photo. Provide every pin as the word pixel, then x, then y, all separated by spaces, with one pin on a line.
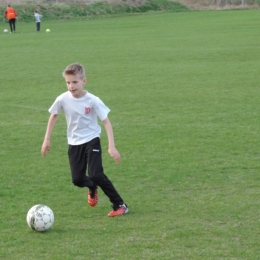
pixel 183 89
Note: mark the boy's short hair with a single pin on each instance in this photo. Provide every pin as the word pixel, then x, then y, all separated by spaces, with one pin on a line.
pixel 75 69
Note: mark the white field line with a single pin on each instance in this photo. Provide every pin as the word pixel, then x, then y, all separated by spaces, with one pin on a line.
pixel 30 107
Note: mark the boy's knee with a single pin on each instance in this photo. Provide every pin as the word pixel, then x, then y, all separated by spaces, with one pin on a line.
pixel 78 182
pixel 99 179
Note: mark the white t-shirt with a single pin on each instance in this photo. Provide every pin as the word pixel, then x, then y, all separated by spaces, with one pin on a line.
pixel 81 115
pixel 38 17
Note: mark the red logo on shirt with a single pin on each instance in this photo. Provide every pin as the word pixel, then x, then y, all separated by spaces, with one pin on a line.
pixel 87 110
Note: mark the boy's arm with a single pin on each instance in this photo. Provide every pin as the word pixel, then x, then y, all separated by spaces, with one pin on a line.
pixel 111 144
pixel 46 146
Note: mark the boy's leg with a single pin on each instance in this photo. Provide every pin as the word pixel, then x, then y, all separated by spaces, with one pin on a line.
pixel 96 173
pixel 78 166
pixel 11 24
pixel 14 24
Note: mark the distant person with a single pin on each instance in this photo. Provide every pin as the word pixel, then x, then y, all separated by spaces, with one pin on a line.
pixel 38 20
pixel 82 110
pixel 11 15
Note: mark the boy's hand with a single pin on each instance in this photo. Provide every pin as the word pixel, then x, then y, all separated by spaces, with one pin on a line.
pixel 46 147
pixel 114 153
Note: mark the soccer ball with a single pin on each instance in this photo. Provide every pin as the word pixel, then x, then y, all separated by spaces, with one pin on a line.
pixel 5 31
pixel 40 218
pixel 48 30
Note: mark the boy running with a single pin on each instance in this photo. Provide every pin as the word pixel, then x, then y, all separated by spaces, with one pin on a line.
pixel 82 110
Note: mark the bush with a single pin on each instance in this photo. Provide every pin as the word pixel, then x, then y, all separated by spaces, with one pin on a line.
pixel 68 11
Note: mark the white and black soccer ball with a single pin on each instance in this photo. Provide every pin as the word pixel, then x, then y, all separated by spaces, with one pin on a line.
pixel 40 218
pixel 5 31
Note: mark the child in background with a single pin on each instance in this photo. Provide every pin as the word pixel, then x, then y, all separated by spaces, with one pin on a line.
pixel 38 20
pixel 82 110
pixel 11 15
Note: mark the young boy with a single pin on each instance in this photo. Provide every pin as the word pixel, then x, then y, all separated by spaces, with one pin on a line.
pixel 38 20
pixel 11 14
pixel 82 111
